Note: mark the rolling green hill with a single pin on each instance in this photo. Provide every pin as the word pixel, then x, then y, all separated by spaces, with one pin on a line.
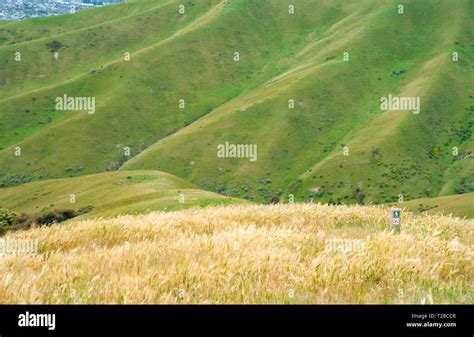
pixel 459 205
pixel 283 56
pixel 110 194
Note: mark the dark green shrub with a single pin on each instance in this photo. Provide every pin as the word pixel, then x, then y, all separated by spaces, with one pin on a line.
pixel 275 200
pixel 58 215
pixel 6 219
pixel 54 46
pixel 358 195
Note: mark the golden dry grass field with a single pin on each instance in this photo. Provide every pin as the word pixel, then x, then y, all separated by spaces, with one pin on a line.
pixel 300 253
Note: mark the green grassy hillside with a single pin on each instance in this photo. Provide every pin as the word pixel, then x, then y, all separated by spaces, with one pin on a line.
pixel 110 194
pixel 460 205
pixel 390 153
pixel 282 57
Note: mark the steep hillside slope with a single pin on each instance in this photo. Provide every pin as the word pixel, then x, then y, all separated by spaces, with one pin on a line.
pixel 139 124
pixel 246 254
pixel 110 194
pixel 392 153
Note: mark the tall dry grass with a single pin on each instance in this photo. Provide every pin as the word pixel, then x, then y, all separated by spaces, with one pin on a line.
pixel 245 254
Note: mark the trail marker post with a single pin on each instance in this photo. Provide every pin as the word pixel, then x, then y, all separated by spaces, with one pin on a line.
pixel 395 221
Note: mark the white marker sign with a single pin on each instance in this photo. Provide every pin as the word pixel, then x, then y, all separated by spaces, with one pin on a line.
pixel 395 222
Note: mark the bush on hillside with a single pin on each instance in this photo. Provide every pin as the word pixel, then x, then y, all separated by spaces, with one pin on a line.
pixel 23 221
pixel 6 219
pixel 358 195
pixel 58 215
pixel 11 221
pixel 14 180
pixel 275 200
pixel 55 46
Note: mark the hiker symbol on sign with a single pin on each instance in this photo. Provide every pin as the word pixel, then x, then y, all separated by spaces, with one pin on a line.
pixel 395 223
